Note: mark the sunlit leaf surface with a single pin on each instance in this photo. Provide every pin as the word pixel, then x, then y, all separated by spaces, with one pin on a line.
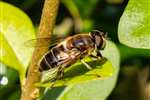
pixel 15 29
pixel 134 25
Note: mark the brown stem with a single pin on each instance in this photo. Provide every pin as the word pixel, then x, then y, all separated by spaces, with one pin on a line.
pixel 47 22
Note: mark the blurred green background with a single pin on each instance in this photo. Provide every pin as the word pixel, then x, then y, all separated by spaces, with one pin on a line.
pixel 76 16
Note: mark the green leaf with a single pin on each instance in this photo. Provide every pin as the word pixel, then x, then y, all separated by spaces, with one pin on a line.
pixel 15 29
pixel 134 25
pixel 97 83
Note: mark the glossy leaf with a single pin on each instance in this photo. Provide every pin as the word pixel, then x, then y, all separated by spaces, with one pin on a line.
pixel 83 84
pixel 15 29
pixel 134 25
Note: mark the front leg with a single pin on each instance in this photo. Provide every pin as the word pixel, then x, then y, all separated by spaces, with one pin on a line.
pixel 97 55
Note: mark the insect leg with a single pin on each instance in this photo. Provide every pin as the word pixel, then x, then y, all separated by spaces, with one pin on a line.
pixel 93 56
pixel 97 55
pixel 59 75
pixel 88 66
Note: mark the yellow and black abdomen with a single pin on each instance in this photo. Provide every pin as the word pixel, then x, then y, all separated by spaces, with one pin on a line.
pixel 48 61
pixel 53 58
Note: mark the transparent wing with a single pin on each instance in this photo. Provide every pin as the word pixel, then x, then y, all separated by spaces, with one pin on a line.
pixel 42 42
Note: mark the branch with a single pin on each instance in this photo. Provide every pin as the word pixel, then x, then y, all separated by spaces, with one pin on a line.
pixel 47 22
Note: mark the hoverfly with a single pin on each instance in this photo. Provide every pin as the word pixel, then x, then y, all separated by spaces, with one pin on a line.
pixel 69 51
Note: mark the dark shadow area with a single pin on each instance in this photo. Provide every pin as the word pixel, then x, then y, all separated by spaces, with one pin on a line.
pixel 81 69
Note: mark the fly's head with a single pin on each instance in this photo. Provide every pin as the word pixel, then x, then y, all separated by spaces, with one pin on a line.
pixel 99 38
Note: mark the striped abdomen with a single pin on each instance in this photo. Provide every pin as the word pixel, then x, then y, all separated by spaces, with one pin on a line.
pixel 48 61
pixel 53 58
